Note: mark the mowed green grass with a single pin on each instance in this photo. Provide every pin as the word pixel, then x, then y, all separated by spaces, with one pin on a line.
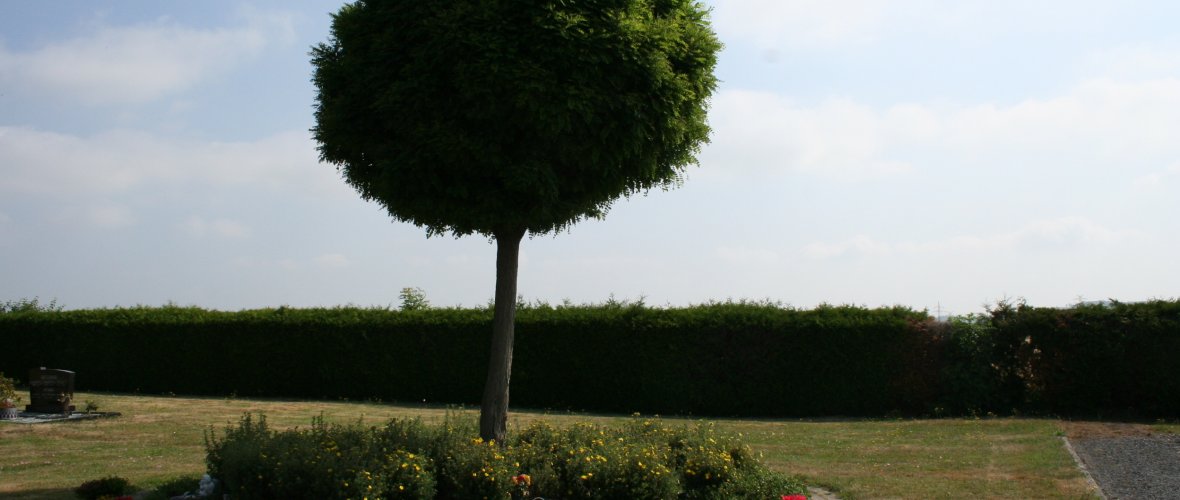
pixel 1168 427
pixel 161 438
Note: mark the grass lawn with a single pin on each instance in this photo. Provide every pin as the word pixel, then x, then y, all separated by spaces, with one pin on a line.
pixel 161 438
pixel 1168 427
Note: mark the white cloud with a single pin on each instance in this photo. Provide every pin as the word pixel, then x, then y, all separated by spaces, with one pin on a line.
pixel 54 164
pixel 1099 125
pixel 860 245
pixel 839 138
pixel 330 261
pixel 821 24
pixel 1068 233
pixel 96 214
pixel 110 216
pixel 5 223
pixel 1100 119
pixel 141 63
pixel 746 255
pixel 801 22
pixel 198 227
pixel 1140 61
pixel 333 260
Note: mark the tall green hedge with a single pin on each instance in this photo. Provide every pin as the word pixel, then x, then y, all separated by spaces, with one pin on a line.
pixel 1109 358
pixel 736 359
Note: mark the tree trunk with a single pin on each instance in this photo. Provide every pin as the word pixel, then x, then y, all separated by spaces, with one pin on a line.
pixel 493 411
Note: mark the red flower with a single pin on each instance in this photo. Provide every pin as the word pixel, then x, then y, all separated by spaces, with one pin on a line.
pixel 522 479
pixel 794 497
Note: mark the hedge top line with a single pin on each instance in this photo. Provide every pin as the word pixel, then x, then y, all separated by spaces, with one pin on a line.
pixel 191 312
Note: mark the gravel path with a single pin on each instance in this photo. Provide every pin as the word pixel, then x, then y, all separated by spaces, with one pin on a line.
pixel 1133 467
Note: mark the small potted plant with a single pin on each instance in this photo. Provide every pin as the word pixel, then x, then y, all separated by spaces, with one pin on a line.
pixel 8 398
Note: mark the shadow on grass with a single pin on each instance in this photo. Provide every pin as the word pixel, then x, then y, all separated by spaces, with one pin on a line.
pixel 46 494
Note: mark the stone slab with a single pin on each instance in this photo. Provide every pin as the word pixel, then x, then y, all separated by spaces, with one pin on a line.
pixel 28 417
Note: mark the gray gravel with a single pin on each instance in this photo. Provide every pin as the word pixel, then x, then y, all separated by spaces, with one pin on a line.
pixel 1133 467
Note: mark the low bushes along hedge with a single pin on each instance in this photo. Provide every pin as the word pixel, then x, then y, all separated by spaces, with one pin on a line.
pixel 643 459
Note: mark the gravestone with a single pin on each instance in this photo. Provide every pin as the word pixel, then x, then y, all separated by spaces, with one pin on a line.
pixel 50 391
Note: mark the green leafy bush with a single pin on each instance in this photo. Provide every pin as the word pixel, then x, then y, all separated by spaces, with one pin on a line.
pixel 715 359
pixel 969 370
pixel 29 305
pixel 320 462
pixel 406 459
pixel 8 395
pixel 723 359
pixel 174 487
pixel 111 486
pixel 1108 358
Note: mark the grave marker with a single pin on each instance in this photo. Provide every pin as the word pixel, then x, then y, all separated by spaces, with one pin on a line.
pixel 50 391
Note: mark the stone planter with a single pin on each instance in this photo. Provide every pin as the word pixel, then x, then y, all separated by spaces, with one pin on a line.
pixel 9 413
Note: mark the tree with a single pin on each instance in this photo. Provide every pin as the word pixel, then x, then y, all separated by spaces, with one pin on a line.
pixel 413 299
pixel 511 117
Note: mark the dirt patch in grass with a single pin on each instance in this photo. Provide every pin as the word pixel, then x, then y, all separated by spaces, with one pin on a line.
pixel 1089 430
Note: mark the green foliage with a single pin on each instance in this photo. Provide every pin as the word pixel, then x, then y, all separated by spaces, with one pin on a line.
pixel 321 462
pixel 111 486
pixel 507 117
pixel 8 394
pixel 487 117
pixel 699 360
pixel 643 459
pixel 742 359
pixel 413 299
pixel 174 487
pixel 1110 358
pixel 29 305
pixel 969 373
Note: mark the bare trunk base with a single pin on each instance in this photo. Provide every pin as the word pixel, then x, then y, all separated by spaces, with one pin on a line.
pixel 493 411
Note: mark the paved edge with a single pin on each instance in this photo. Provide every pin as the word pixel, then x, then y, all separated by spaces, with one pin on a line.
pixel 1082 467
pixel 47 418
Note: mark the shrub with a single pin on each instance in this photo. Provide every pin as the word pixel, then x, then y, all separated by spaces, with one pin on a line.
pixel 324 461
pixel 405 459
pixel 729 359
pixel 726 359
pixel 111 486
pixel 1094 359
pixel 969 368
pixel 174 487
pixel 29 305
pixel 8 394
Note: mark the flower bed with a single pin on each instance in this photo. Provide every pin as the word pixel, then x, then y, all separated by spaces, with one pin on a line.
pixel 643 459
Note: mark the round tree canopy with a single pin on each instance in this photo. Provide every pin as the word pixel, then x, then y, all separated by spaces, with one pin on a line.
pixel 504 116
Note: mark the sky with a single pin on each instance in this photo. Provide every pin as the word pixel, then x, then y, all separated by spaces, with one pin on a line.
pixel 923 153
